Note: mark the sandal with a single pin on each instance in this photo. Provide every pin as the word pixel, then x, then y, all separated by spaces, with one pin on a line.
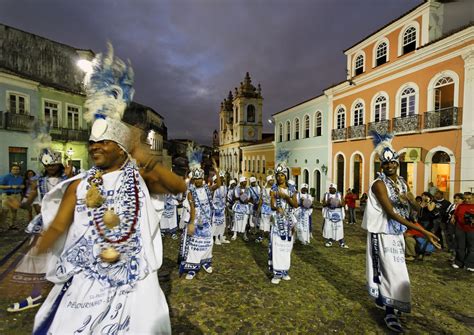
pixel 393 323
pixel 25 304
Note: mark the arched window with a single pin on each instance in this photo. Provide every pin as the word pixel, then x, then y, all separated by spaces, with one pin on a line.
pixel 407 102
pixel 381 55
pixel 305 177
pixel 250 113
pixel 380 109
pixel 236 115
pixel 306 126
pixel 358 113
pixel 288 130
pixel 263 165
pixel 318 121
pixel 341 118
pixel 297 129
pixel 444 93
pixel 280 132
pixel 409 40
pixel 359 65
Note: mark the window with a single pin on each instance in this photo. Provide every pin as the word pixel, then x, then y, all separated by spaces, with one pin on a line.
pixel 358 113
pixel 444 93
pixel 263 165
pixel 297 129
pixel 250 113
pixel 72 117
pixel 319 124
pixel 409 40
pixel 306 126
pixel 381 56
pixel 236 115
pixel 280 132
pixel 17 103
pixel 359 65
pixel 341 118
pixel 288 130
pixel 380 109
pixel 407 102
pixel 258 165
pixel 51 114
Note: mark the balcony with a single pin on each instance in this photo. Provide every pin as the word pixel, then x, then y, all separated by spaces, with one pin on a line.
pixel 359 131
pixel 64 134
pixel 445 117
pixel 339 134
pixel 410 123
pixel 381 127
pixel 20 122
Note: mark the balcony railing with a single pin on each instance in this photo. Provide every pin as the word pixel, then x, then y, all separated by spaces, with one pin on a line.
pixel 21 122
pixel 445 117
pixel 64 134
pixel 406 124
pixel 381 127
pixel 359 131
pixel 339 134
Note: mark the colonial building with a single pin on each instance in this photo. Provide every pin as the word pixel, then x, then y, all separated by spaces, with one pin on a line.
pixel 153 127
pixel 39 81
pixel 413 77
pixel 303 130
pixel 240 124
pixel 258 159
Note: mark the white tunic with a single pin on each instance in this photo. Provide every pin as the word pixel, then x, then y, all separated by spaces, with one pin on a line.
pixel 120 298
pixel 333 217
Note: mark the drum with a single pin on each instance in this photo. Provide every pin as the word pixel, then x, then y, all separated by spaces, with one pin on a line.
pixel 307 203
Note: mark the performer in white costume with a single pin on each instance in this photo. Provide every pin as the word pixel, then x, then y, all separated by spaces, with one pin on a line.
pixel 32 267
pixel 103 227
pixel 241 209
pixel 196 244
pixel 265 208
pixel 303 215
pixel 230 204
pixel 169 218
pixel 219 215
pixel 254 192
pixel 283 200
pixel 386 219
pixel 333 214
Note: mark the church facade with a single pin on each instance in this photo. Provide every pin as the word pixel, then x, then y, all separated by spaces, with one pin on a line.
pixel 240 124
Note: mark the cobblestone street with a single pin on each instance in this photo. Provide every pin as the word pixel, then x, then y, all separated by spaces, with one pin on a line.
pixel 325 295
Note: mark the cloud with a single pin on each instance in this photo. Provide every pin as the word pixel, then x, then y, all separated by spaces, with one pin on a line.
pixel 188 54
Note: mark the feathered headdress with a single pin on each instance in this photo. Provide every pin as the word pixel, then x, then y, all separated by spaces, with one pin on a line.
pixel 109 90
pixel 282 158
pixel 42 141
pixel 383 147
pixel 194 155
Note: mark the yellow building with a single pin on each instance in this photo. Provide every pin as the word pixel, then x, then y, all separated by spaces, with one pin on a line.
pixel 258 159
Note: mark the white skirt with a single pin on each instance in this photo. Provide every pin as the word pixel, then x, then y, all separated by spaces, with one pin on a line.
pixel 387 274
pixel 88 307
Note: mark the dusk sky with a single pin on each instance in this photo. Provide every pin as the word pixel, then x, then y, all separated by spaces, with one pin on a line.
pixel 188 54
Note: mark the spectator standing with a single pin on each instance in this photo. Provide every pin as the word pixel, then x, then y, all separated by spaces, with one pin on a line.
pixel 427 211
pixel 363 203
pixel 451 226
pixel 464 216
pixel 440 217
pixel 350 201
pixel 12 187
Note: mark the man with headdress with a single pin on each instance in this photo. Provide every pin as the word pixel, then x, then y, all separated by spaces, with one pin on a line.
pixel 196 244
pixel 265 208
pixel 102 225
pixel 254 191
pixel 333 214
pixel 32 268
pixel 219 199
pixel 386 219
pixel 283 201
pixel 241 209
pixel 303 214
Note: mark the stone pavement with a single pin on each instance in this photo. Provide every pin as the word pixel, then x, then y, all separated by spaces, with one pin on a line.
pixel 325 295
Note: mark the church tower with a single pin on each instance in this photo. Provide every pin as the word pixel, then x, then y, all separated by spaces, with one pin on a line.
pixel 247 107
pixel 240 124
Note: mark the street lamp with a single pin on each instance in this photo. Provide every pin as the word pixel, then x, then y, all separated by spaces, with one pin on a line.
pixel 324 168
pixel 69 153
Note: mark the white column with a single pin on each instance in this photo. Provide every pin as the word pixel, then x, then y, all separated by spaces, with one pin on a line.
pixel 467 148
